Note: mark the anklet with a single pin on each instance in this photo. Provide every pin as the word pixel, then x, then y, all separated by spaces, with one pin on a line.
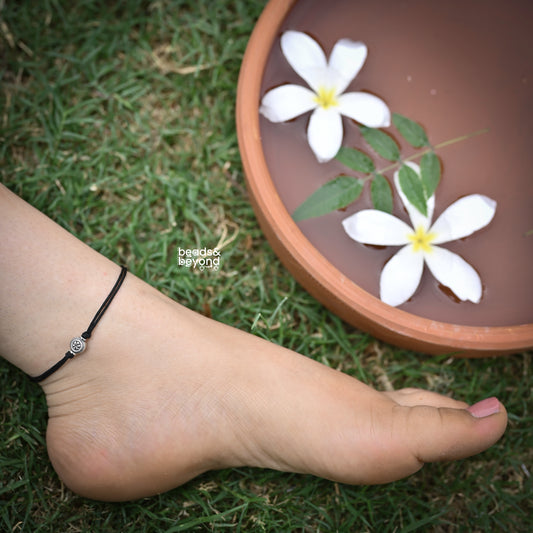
pixel 78 344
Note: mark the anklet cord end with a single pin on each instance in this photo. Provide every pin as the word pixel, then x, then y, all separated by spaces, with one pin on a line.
pixel 78 344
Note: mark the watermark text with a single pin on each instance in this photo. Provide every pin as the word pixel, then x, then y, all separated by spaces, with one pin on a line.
pixel 200 258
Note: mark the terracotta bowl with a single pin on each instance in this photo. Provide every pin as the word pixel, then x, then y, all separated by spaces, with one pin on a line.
pixel 312 270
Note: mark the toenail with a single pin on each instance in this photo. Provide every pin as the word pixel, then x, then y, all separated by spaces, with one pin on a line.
pixel 484 408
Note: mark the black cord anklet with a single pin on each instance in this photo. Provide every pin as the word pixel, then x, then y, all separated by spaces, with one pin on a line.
pixel 78 344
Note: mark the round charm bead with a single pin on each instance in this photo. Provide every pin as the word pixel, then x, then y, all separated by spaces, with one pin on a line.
pixel 77 345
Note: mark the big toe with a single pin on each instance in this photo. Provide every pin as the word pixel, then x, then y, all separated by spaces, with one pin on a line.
pixel 411 436
pixel 444 434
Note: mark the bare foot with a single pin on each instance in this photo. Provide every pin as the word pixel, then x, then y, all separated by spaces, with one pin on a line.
pixel 164 394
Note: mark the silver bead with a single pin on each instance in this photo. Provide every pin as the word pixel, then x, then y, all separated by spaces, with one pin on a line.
pixel 77 345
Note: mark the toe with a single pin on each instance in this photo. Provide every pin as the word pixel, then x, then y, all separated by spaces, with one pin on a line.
pixel 410 397
pixel 444 434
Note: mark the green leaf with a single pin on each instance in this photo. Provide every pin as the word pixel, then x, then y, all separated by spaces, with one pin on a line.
pixel 413 133
pixel 382 143
pixel 430 172
pixel 336 194
pixel 412 187
pixel 381 193
pixel 355 159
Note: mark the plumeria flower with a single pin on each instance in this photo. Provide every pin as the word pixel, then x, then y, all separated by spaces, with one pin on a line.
pixel 327 81
pixel 401 275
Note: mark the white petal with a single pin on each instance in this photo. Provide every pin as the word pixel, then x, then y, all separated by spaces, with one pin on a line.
pixel 454 272
pixel 318 78
pixel 464 217
pixel 365 108
pixel 417 218
pixel 305 56
pixel 370 226
pixel 401 275
pixel 287 102
pixel 347 58
pixel 324 133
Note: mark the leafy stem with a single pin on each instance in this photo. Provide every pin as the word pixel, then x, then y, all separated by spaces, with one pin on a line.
pixel 418 187
pixel 443 144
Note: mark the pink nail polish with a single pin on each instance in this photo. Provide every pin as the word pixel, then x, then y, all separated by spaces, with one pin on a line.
pixel 484 408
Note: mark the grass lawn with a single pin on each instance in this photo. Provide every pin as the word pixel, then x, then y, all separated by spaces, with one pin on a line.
pixel 117 121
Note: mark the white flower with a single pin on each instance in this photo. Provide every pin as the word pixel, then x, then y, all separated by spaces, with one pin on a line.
pixel 401 275
pixel 327 80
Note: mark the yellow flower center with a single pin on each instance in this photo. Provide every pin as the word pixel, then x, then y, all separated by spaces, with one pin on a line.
pixel 326 98
pixel 421 239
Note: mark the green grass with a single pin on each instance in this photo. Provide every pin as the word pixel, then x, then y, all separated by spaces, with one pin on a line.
pixel 117 121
